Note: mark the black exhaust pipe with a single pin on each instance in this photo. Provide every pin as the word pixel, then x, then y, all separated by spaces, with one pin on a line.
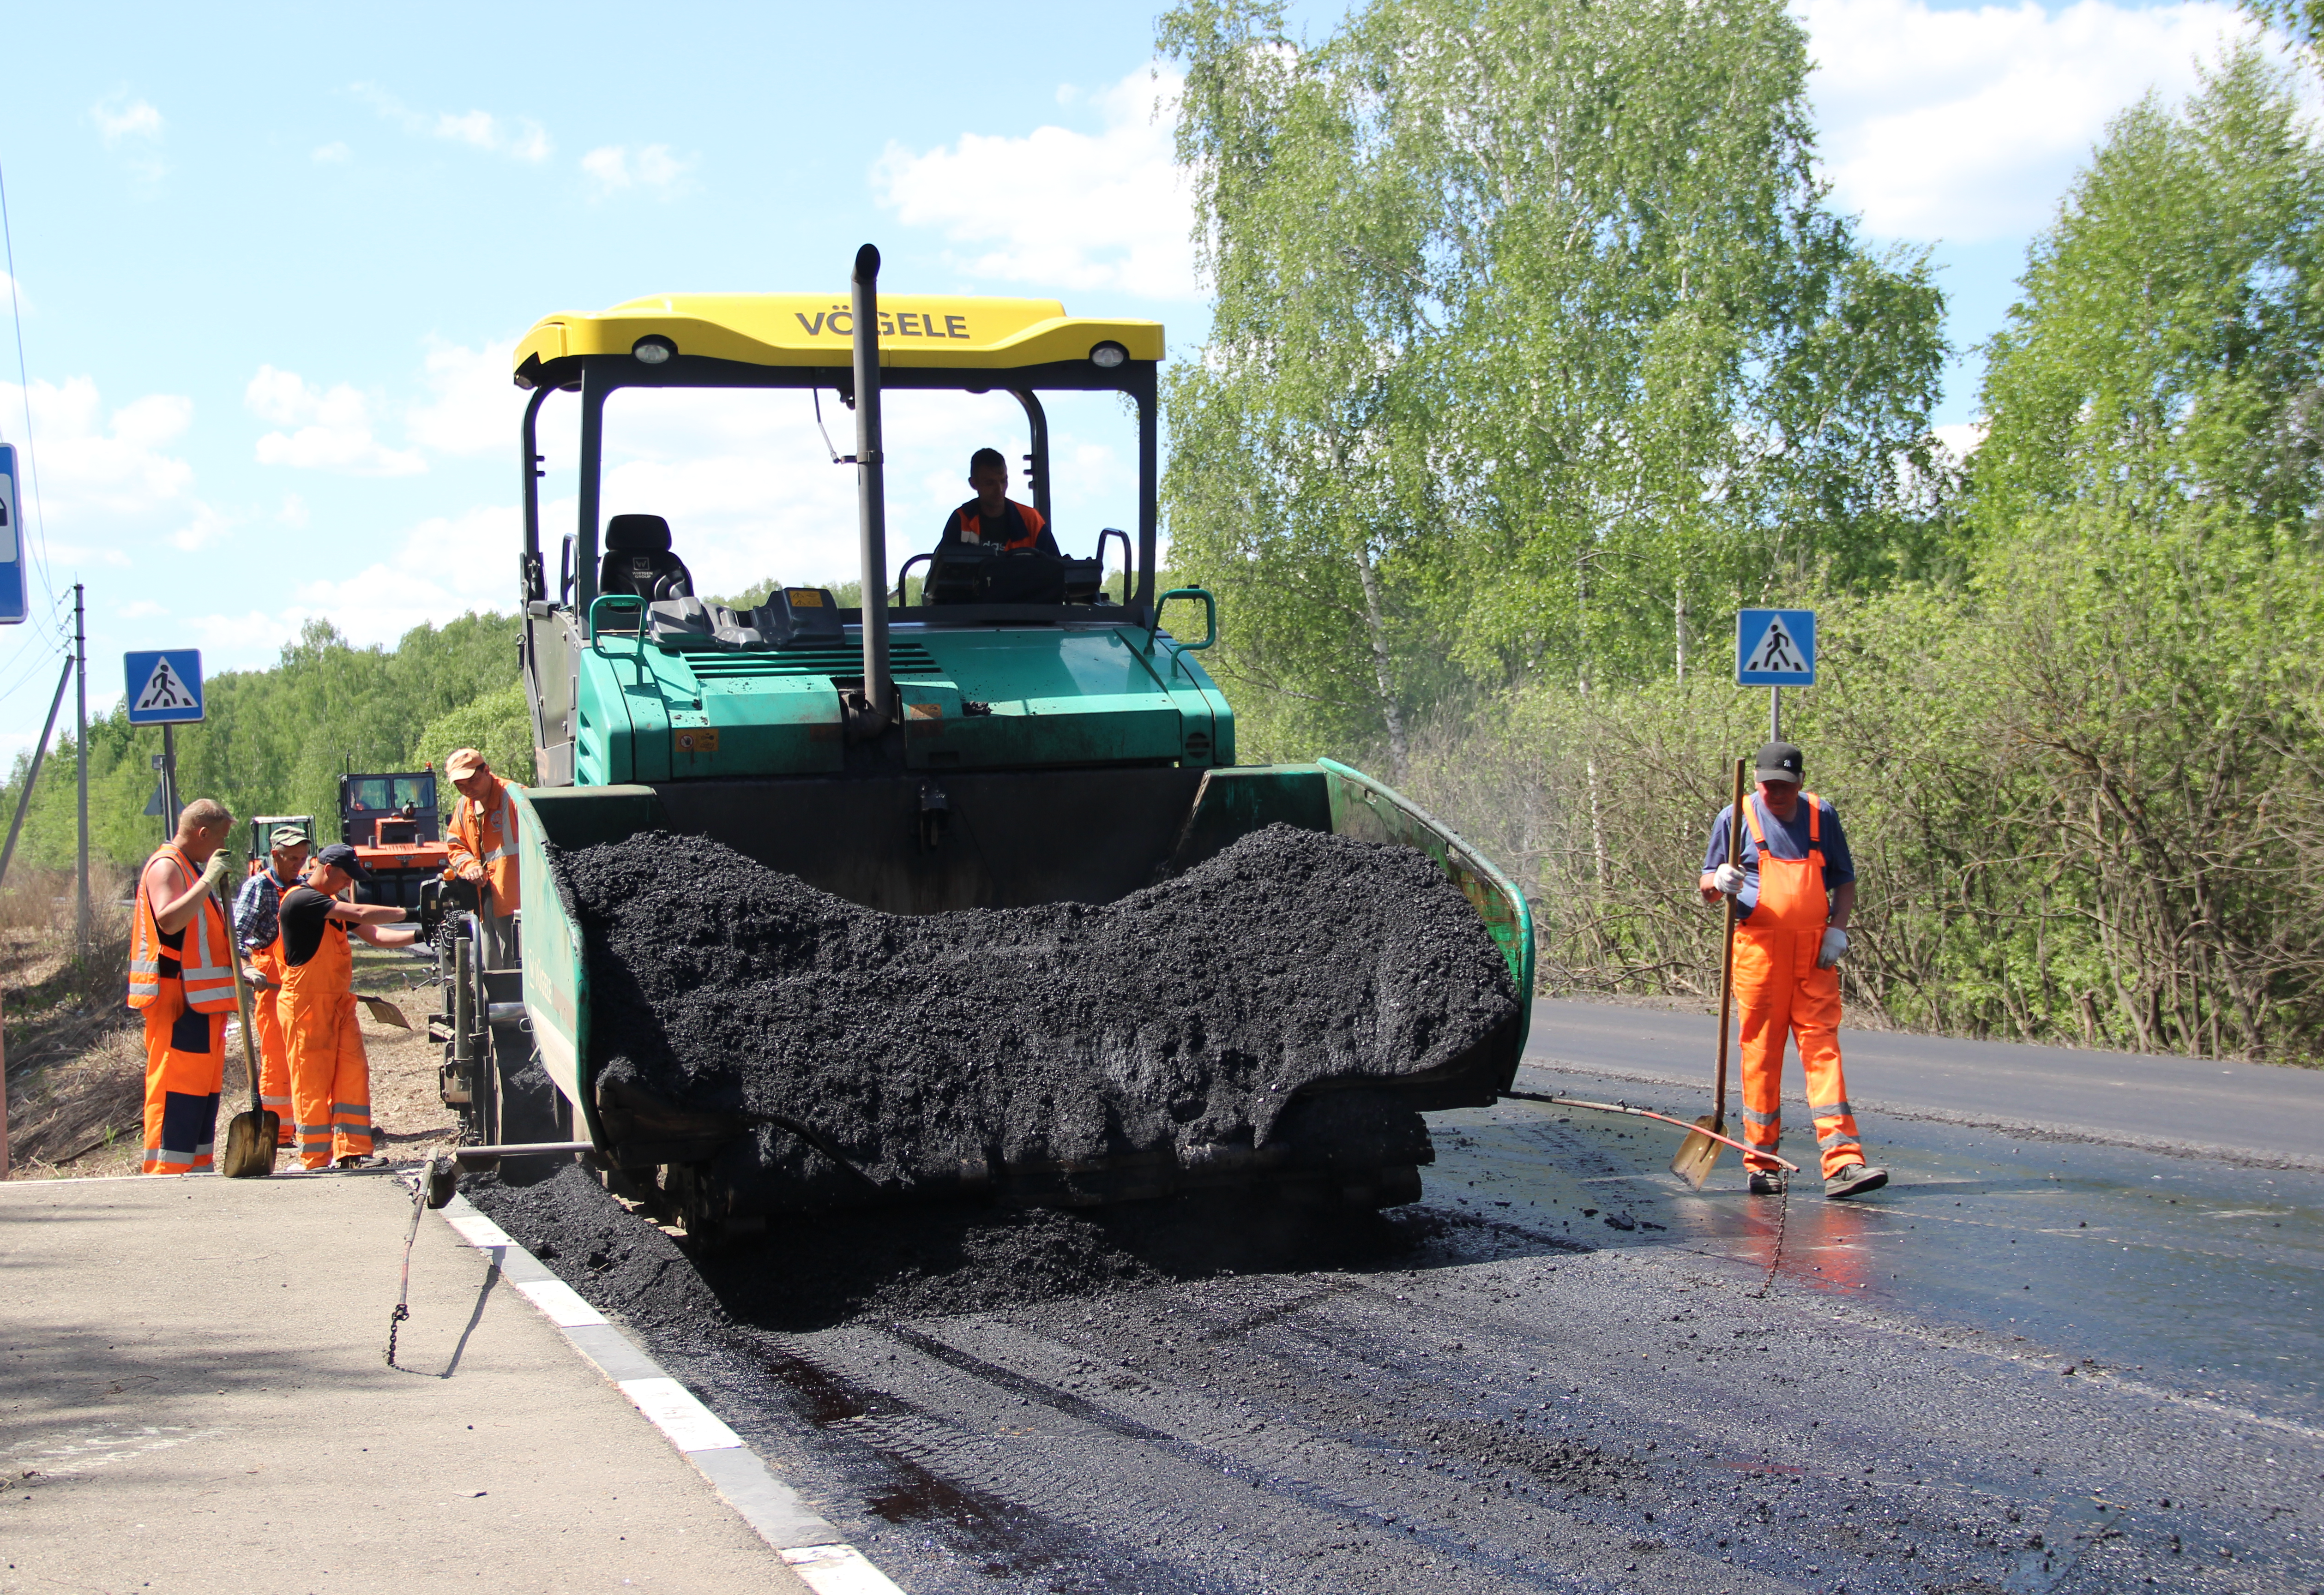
pixel 871 715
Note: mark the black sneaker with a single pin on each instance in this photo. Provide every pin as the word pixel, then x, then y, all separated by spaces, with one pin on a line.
pixel 1766 1184
pixel 1854 1179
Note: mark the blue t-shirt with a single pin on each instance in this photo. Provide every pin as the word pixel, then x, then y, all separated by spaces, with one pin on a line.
pixel 1785 839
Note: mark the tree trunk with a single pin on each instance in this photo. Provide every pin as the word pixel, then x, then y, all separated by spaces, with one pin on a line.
pixel 1399 744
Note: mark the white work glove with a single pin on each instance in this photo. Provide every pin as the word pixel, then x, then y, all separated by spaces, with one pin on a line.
pixel 214 872
pixel 1835 947
pixel 1729 878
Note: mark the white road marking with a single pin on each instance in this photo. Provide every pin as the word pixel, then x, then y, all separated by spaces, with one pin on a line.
pixel 690 1425
pixel 838 1570
pixel 561 1302
pixel 477 1229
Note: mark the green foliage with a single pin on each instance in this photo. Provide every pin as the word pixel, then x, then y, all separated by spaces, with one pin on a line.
pixel 276 740
pixel 2084 781
pixel 2166 351
pixel 498 725
pixel 1533 336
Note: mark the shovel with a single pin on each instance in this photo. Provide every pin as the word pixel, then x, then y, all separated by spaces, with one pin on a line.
pixel 383 1011
pixel 251 1137
pixel 1699 1151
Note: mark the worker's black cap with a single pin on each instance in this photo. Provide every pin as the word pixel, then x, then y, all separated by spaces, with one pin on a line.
pixel 339 856
pixel 1778 761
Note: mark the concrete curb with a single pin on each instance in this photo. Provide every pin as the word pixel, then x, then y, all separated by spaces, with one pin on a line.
pixel 812 1546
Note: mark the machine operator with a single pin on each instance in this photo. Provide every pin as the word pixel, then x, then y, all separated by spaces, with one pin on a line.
pixel 992 519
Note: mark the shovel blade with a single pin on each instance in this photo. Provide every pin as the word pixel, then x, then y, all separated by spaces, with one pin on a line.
pixel 383 1011
pixel 1698 1152
pixel 250 1140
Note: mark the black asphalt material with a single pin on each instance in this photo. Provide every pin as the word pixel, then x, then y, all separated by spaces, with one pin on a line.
pixel 1186 1019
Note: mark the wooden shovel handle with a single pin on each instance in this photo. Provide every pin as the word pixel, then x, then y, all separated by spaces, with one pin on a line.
pixel 242 999
pixel 1727 965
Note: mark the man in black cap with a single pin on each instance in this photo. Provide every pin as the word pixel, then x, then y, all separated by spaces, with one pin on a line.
pixel 1793 893
pixel 330 1078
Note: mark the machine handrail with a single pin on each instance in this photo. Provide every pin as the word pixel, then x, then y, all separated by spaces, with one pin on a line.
pixel 629 600
pixel 1210 611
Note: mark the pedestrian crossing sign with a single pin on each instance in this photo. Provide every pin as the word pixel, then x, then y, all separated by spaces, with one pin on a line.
pixel 165 687
pixel 1775 647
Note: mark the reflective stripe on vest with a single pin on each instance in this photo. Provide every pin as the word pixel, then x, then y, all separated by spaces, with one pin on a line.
pixel 971 525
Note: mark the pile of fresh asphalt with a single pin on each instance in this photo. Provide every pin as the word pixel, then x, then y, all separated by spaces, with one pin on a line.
pixel 1181 1020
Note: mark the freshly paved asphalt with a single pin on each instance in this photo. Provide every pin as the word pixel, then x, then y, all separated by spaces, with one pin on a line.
pixel 2259 1111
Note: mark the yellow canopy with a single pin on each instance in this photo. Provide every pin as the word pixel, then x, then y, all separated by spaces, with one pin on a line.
pixel 816 329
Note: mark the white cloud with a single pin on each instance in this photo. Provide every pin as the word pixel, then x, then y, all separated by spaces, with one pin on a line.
pixel 333 153
pixel 119 117
pixel 95 470
pixel 293 513
pixel 1967 124
pixel 324 430
pixel 614 168
pixel 1058 208
pixel 475 404
pixel 142 609
pixel 1962 438
pixel 520 138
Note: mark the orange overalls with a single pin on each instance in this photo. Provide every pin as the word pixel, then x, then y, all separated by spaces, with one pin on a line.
pixel 330 1078
pixel 184 987
pixel 273 1053
pixel 274 1058
pixel 1783 994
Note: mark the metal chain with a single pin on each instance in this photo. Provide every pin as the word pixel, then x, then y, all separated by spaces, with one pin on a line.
pixel 396 1319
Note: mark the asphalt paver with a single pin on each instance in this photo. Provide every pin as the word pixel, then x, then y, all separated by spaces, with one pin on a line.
pixel 193 1397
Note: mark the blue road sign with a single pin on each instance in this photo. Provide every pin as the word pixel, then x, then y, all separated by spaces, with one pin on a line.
pixel 165 686
pixel 12 544
pixel 1775 647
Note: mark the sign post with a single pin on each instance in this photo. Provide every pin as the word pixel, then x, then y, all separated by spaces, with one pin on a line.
pixel 12 543
pixel 1775 648
pixel 165 689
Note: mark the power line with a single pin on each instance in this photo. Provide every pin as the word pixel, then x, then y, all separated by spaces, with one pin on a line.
pixel 25 388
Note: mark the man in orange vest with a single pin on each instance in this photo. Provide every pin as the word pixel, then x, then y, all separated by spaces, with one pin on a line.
pixel 993 518
pixel 181 980
pixel 258 930
pixel 1793 893
pixel 330 1077
pixel 482 846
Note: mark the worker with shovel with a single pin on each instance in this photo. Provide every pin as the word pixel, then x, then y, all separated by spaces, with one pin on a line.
pixel 258 930
pixel 1794 890
pixel 330 1077
pixel 181 981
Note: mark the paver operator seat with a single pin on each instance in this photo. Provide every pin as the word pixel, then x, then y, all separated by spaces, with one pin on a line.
pixel 637 559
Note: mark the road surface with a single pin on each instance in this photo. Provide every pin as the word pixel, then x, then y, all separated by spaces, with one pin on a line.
pixel 2033 1363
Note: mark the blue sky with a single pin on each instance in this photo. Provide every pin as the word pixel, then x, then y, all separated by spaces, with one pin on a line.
pixel 269 269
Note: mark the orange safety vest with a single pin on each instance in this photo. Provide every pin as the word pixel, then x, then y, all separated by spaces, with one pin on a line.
pixel 1791 890
pixel 208 977
pixel 971 524
pixel 488 834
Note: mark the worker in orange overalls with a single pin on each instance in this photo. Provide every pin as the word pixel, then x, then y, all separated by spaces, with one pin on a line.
pixel 482 846
pixel 180 981
pixel 1795 892
pixel 258 932
pixel 330 1078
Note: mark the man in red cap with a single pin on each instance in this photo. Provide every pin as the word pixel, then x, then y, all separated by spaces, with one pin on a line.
pixel 483 845
pixel 1793 893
